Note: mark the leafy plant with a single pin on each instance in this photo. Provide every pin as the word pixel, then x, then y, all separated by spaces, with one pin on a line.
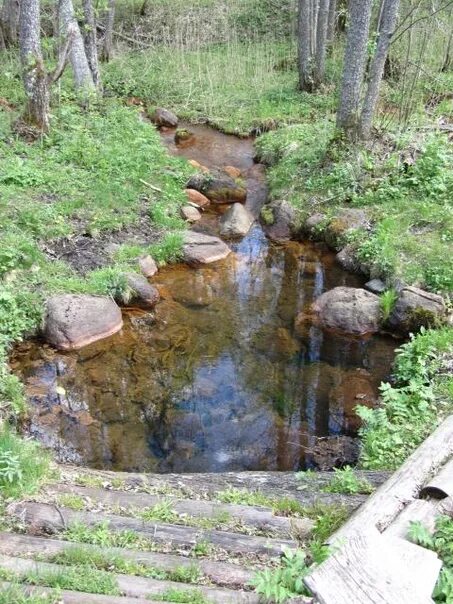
pixel 387 302
pixel 183 596
pixel 346 481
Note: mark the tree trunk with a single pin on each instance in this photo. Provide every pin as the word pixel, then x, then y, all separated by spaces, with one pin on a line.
pixel 83 78
pixel 9 22
pixel 387 27
pixel 332 22
pixel 321 42
pixel 354 66
pixel 33 70
pixel 90 39
pixel 108 38
pixel 304 40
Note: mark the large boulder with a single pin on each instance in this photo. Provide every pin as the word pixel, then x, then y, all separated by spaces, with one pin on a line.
pixel 73 320
pixel 218 188
pixel 199 248
pixel 416 308
pixel 348 310
pixel 164 118
pixel 142 291
pixel 236 222
pixel 284 222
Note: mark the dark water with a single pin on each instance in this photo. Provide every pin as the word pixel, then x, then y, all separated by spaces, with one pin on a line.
pixel 222 376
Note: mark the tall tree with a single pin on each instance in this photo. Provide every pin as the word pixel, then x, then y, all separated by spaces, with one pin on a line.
pixel 90 39
pixel 332 21
pixel 108 36
pixel 9 22
pixel 83 78
pixel 387 24
pixel 354 66
pixel 33 70
pixel 321 42
pixel 304 35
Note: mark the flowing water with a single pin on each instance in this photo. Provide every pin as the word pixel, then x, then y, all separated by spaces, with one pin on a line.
pixel 221 376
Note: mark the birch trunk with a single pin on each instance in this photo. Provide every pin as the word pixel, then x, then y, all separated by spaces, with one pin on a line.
pixel 90 39
pixel 321 42
pixel 304 40
pixel 9 22
pixel 108 38
pixel 332 22
pixel 354 67
pixel 388 19
pixel 83 79
pixel 33 70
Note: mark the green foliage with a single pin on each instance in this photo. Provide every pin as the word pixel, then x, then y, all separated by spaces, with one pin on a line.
pixel 346 481
pixel 183 596
pixel 15 594
pixel 387 302
pixel 76 578
pixel 72 501
pixel 162 511
pixel 168 250
pixel 23 465
pixel 411 408
pixel 101 535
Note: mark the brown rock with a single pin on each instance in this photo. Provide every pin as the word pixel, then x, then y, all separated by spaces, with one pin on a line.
pixel 356 388
pixel 142 291
pixel 74 321
pixel 348 310
pixel 346 221
pixel 147 266
pixel 218 188
pixel 284 223
pixel 197 198
pixel 417 308
pixel 335 452
pixel 195 164
pixel 232 171
pixel 164 117
pixel 190 214
pixel 203 249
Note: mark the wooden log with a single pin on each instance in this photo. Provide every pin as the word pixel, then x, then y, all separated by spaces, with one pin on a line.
pixel 220 573
pixel 258 517
pixel 446 507
pixel 441 486
pixel 44 518
pixel 131 586
pixel 404 486
pixel 369 569
pixel 418 510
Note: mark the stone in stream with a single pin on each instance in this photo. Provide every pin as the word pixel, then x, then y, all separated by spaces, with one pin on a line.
pixel 199 248
pixel 349 310
pixel 284 221
pixel 190 214
pixel 218 188
pixel 164 118
pixel 236 222
pixel 376 286
pixel 232 171
pixel 142 291
pixel 197 198
pixel 74 320
pixel 416 308
pixel 148 266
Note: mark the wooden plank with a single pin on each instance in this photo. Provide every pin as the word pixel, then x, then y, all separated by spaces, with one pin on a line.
pixel 258 517
pixel 446 507
pixel 221 573
pixel 367 569
pixel 75 597
pixel 405 484
pixel 418 510
pixel 133 587
pixel 441 486
pixel 44 518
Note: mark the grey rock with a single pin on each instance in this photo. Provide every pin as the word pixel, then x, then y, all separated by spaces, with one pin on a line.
pixel 348 310
pixel 148 266
pixel 416 308
pixel 199 248
pixel 73 321
pixel 313 222
pixel 285 219
pixel 142 291
pixel 346 221
pixel 346 259
pixel 236 222
pixel 376 286
pixel 190 213
pixel 218 188
pixel 164 117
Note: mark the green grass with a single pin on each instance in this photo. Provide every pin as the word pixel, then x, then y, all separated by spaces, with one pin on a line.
pixel 82 578
pixel 15 595
pixel 74 502
pixel 102 536
pixel 184 596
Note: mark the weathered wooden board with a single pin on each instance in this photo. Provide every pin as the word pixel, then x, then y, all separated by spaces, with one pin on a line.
pixel 44 518
pixel 419 510
pixel 441 486
pixel 404 486
pixel 369 569
pixel 220 573
pixel 133 587
pixel 257 517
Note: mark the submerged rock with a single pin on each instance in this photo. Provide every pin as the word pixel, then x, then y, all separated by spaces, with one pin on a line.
pixel 203 249
pixel 348 310
pixel 183 135
pixel 218 188
pixel 74 321
pixel 416 308
pixel 236 222
pixel 164 118
pixel 197 198
pixel 142 291
pixel 190 213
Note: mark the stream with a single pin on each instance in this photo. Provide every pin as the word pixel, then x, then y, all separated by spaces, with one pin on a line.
pixel 220 376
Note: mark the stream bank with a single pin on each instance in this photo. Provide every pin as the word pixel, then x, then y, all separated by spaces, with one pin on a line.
pixel 220 377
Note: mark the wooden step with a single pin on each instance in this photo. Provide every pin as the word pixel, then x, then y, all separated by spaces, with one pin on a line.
pixel 133 587
pixel 221 573
pixel 260 518
pixel 45 518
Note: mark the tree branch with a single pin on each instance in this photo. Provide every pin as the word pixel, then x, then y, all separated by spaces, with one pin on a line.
pixel 63 56
pixel 443 7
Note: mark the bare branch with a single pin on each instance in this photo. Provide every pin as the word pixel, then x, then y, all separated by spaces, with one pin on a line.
pixel 423 18
pixel 63 56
